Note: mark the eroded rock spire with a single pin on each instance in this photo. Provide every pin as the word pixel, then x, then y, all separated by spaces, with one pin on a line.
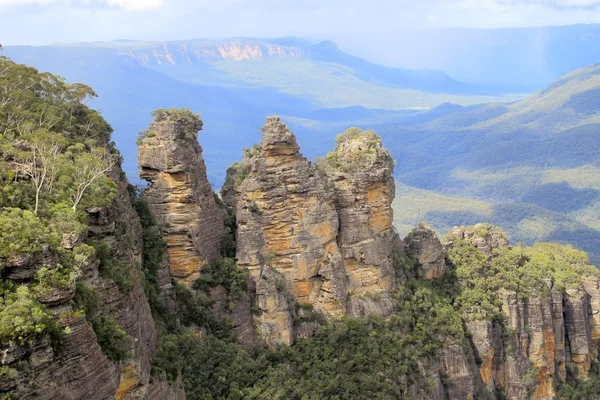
pixel 180 196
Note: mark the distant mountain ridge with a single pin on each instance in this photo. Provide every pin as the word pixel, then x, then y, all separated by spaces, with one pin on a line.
pixel 203 53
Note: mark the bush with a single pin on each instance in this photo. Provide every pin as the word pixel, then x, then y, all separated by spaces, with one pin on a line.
pixel 110 337
pixel 22 317
pixel 119 273
pixel 224 272
pixel 21 232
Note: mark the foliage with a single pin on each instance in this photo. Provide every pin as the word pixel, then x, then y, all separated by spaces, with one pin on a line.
pixel 367 358
pixel 352 158
pixel 191 123
pixel 195 309
pixel 224 272
pixel 57 148
pixel 153 254
pixel 110 336
pixel 22 317
pixel 21 232
pixel 524 270
pixel 57 278
pixel 110 268
pixel 576 388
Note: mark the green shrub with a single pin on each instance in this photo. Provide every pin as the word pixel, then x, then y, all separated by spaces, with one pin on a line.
pixel 118 272
pixel 110 337
pixel 22 317
pixel 21 232
pixel 224 272
pixel 191 123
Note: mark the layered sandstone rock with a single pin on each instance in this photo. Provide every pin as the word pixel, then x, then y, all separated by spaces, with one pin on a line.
pixel 482 236
pixel 550 331
pixel 180 196
pixel 360 170
pixel 80 369
pixel 424 244
pixel 327 230
pixel 286 218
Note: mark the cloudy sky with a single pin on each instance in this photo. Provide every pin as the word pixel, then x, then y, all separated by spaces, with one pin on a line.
pixel 351 23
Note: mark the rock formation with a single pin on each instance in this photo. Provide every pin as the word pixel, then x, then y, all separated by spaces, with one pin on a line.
pixel 360 170
pixel 81 369
pixel 327 230
pixel 180 196
pixel 286 218
pixel 426 247
pixel 550 331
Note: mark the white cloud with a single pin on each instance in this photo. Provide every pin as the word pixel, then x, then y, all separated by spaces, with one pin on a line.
pixel 136 4
pixel 126 4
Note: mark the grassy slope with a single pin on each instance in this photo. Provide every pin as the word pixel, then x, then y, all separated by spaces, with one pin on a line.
pixel 332 85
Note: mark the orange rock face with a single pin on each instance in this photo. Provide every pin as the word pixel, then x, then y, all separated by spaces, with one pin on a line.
pixel 360 170
pixel 180 196
pixel 286 218
pixel 326 230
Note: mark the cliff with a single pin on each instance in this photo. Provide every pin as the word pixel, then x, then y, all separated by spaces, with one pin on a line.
pixel 180 197
pixel 327 231
pixel 360 170
pixel 546 324
pixel 175 293
pixel 79 366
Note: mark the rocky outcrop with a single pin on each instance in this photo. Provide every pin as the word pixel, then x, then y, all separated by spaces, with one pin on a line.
pixel 79 368
pixel 360 170
pixel 546 333
pixel 180 197
pixel 425 246
pixel 286 218
pixel 327 230
pixel 482 236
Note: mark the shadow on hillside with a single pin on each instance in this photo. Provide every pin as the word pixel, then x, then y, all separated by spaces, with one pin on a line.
pixel 560 197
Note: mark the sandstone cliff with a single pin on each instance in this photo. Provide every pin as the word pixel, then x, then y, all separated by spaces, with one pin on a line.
pixel 547 332
pixel 327 230
pixel 180 196
pixel 78 367
pixel 286 218
pixel 360 170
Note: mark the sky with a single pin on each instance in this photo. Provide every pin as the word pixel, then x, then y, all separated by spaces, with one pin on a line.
pixel 358 26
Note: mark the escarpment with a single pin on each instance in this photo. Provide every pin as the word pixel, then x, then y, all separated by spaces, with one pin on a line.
pixel 142 292
pixel 180 197
pixel 82 363
pixel 546 326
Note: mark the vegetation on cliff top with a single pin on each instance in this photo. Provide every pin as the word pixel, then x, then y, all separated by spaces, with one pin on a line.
pixel 55 161
pixel 523 270
pixel 356 150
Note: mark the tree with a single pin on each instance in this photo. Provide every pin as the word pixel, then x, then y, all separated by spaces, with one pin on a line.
pixel 88 167
pixel 39 160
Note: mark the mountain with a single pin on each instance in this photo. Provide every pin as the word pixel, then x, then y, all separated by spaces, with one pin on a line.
pixel 536 158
